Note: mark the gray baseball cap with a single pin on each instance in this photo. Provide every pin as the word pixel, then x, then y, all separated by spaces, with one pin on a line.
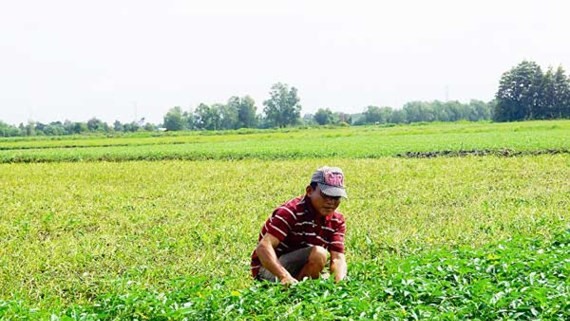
pixel 330 181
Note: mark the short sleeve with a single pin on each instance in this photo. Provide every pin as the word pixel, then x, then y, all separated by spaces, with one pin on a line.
pixel 337 238
pixel 280 222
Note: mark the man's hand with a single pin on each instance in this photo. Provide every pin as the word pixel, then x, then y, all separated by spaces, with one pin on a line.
pixel 289 280
pixel 266 253
pixel 338 266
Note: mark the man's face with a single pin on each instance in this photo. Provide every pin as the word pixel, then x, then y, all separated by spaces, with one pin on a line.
pixel 323 204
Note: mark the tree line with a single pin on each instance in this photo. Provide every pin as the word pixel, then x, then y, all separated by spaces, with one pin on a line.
pixel 524 93
pixel 58 128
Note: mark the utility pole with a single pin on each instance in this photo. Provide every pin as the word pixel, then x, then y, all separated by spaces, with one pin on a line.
pixel 136 112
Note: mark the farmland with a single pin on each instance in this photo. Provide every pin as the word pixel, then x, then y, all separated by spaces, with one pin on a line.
pixel 162 227
pixel 358 142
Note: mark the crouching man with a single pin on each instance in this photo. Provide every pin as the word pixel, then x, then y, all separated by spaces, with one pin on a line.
pixel 294 241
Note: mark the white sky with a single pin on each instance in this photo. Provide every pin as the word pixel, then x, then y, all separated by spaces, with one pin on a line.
pixel 115 60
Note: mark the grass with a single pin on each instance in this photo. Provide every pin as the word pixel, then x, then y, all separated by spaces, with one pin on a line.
pixel 479 238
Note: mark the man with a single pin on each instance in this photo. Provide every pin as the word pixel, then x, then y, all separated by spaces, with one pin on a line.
pixel 294 241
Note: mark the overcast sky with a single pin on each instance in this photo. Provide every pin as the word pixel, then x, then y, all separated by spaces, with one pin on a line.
pixel 121 59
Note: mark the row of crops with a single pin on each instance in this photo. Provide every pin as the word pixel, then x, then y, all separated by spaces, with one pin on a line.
pixel 359 142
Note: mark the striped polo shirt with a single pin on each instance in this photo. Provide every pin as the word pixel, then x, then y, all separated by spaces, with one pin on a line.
pixel 296 225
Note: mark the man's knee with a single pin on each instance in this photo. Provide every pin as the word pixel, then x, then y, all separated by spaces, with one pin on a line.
pixel 318 256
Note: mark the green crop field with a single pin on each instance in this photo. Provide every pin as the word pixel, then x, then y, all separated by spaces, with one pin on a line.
pixel 357 142
pixel 162 227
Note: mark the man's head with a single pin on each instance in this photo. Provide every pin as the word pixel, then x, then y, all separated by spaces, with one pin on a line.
pixel 326 189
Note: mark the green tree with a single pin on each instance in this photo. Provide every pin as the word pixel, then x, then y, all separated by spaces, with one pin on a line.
pixel 377 115
pixel 207 117
pixel 419 111
pixel 174 120
pixel 323 116
pixel 308 120
pixel 149 127
pixel 518 96
pixel 39 128
pixel 440 111
pixel 479 110
pixel 282 108
pixel 98 125
pixel 54 129
pixel 131 127
pixel 67 125
pixel 7 130
pixel 372 115
pixel 117 126
pixel 456 110
pixel 548 99
pixel 74 128
pixel 398 117
pixel 228 116
pixel 246 111
pixel 562 90
pixel 80 127
pixel 343 118
pixel 189 120
pixel 30 128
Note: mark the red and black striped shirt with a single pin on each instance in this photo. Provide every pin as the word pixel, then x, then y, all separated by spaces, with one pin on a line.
pixel 296 225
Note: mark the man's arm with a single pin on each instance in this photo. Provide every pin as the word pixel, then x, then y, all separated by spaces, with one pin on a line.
pixel 266 254
pixel 338 266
